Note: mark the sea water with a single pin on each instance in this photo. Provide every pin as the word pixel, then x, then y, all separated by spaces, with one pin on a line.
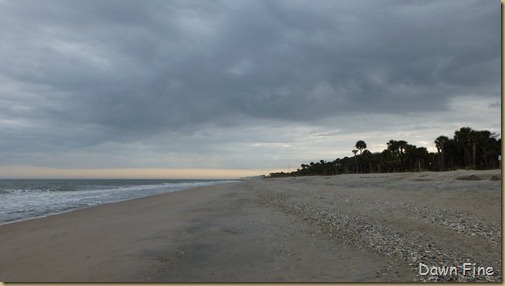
pixel 28 199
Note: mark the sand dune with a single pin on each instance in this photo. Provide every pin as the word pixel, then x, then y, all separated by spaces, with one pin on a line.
pixel 346 228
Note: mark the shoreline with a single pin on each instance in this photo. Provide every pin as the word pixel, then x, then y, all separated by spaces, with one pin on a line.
pixel 303 229
pixel 71 209
pixel 106 232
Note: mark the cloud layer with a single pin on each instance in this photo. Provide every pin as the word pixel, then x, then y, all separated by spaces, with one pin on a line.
pixel 226 79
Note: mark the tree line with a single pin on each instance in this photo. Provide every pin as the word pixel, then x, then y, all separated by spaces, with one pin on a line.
pixel 468 149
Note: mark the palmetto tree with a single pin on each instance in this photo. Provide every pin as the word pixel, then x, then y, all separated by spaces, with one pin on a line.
pixel 468 148
pixel 354 151
pixel 462 138
pixel 398 148
pixel 360 145
pixel 393 146
pixel 440 142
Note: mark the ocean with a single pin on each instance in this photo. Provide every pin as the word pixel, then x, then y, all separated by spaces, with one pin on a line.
pixel 29 198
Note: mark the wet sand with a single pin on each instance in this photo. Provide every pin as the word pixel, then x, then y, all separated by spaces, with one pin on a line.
pixel 274 230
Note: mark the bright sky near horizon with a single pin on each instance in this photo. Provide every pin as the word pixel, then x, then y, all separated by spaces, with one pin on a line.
pixel 223 89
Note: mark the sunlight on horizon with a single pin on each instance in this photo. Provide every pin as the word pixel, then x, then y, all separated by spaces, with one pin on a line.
pixel 30 172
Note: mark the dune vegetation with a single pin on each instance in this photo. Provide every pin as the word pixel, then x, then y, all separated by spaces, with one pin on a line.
pixel 468 149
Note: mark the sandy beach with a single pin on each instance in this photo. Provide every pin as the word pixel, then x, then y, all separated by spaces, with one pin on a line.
pixel 345 228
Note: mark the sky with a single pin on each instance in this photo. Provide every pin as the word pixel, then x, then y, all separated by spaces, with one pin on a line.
pixel 223 89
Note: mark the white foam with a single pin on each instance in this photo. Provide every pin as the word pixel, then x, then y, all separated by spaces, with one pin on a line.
pixel 22 204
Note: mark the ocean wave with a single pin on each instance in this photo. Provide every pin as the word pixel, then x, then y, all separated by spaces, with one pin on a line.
pixel 25 203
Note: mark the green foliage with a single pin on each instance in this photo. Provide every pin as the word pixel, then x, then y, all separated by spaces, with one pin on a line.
pixel 467 149
pixel 361 145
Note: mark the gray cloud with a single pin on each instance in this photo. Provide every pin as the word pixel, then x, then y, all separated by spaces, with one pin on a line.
pixel 78 74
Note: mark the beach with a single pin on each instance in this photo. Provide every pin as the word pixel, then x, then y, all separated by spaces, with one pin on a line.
pixel 344 228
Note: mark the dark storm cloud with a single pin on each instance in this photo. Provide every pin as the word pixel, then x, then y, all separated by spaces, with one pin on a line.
pixel 78 73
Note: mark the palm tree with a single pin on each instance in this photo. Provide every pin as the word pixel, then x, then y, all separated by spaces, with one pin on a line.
pixel 303 171
pixel 389 159
pixel 360 145
pixel 440 142
pixel 476 138
pixel 393 146
pixel 398 148
pixel 452 153
pixel 402 144
pixel 462 138
pixel 322 165
pixel 354 151
pixel 491 148
pixel 416 156
pixel 367 157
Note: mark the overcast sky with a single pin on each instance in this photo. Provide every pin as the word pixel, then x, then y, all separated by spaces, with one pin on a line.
pixel 251 86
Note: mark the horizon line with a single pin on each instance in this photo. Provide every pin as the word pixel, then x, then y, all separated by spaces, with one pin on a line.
pixel 35 172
